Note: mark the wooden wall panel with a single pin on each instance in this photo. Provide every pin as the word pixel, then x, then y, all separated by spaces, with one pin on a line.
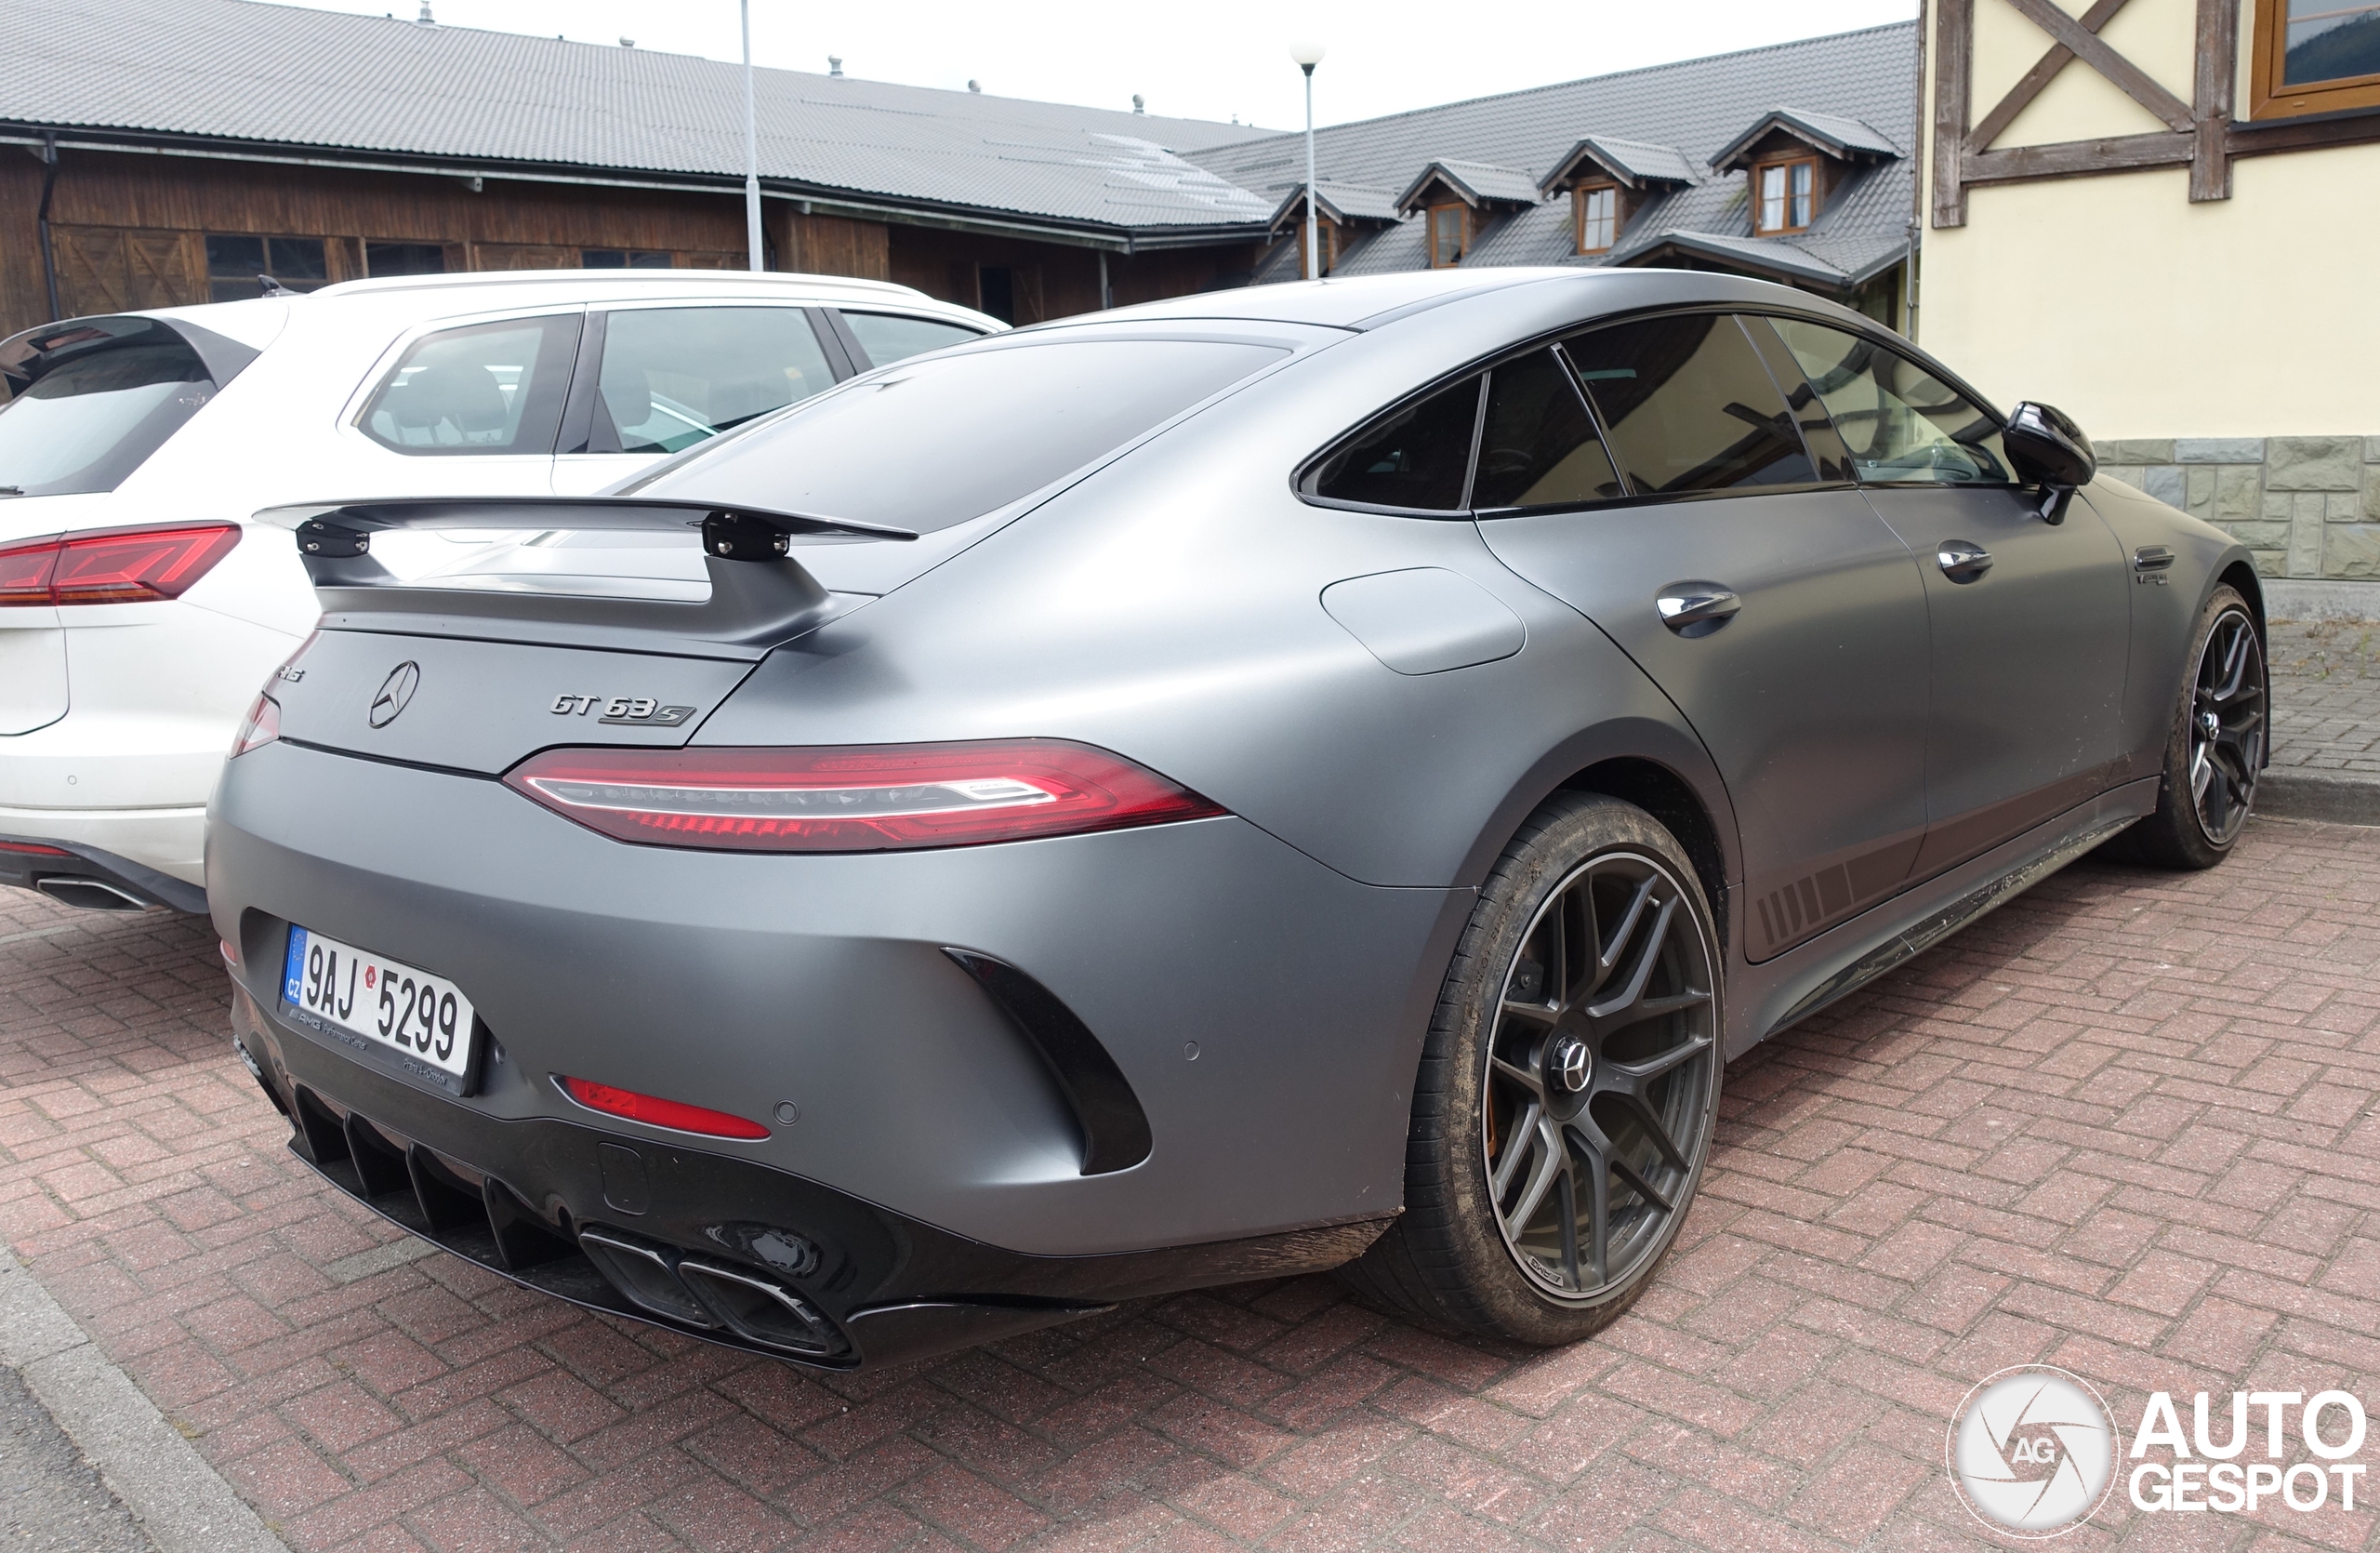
pixel 836 246
pixel 24 299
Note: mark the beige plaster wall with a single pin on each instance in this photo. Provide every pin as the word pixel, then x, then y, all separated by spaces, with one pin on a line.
pixel 2140 313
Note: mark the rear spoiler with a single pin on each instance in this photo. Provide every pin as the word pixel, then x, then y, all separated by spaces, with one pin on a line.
pixel 760 597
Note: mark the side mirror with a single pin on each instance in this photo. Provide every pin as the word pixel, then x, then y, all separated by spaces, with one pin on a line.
pixel 2050 451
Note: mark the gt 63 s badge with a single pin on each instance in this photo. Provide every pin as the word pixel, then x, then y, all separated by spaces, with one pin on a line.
pixel 638 710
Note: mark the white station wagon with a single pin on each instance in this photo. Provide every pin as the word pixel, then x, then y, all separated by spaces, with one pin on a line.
pixel 139 610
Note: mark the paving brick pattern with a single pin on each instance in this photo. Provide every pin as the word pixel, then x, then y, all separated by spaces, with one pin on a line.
pixel 2326 696
pixel 2127 1125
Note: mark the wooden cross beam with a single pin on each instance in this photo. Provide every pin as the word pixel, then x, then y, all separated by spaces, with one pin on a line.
pixel 2200 133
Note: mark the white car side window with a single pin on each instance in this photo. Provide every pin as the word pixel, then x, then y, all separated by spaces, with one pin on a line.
pixel 484 388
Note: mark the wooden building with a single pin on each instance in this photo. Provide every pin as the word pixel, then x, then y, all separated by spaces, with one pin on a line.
pixel 202 143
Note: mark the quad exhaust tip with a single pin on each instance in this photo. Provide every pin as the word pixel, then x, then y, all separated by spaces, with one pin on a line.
pixel 92 895
pixel 700 1293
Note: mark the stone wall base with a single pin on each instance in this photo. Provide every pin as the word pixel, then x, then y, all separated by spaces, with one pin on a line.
pixel 2297 599
pixel 2307 507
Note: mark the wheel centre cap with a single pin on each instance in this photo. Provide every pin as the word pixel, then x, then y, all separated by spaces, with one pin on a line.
pixel 1568 1065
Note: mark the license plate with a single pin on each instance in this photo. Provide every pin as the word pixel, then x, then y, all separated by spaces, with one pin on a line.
pixel 424 1017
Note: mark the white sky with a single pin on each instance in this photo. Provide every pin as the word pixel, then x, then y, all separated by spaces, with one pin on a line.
pixel 1210 59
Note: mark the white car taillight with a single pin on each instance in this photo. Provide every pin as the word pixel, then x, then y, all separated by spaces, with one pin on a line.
pixel 122 565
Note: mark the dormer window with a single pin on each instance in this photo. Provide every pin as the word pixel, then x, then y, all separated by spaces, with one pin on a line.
pixel 1461 202
pixel 1785 195
pixel 1794 160
pixel 1609 181
pixel 1598 213
pixel 1449 234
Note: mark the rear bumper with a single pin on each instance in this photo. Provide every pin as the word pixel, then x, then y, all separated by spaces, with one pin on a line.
pixel 117 861
pixel 1265 1012
pixel 656 1232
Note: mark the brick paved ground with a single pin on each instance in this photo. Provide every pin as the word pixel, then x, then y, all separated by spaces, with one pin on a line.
pixel 2127 1126
pixel 2326 696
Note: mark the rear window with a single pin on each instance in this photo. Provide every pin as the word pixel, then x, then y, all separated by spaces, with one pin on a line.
pixel 890 337
pixel 92 401
pixel 949 438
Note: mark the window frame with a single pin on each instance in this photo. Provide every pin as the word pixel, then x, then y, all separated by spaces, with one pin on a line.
pixel 1785 165
pixel 1463 235
pixel 2269 97
pixel 1579 193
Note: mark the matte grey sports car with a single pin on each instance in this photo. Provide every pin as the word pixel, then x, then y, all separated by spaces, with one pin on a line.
pixel 1318 775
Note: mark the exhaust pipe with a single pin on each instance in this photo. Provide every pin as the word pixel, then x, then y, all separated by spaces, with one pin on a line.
pixel 91 894
pixel 757 1308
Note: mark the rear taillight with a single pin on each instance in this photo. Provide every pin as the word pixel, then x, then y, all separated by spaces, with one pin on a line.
pixel 654 1112
pixel 33 849
pixel 260 727
pixel 124 565
pixel 854 798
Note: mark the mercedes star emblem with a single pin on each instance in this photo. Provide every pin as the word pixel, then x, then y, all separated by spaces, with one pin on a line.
pixel 395 691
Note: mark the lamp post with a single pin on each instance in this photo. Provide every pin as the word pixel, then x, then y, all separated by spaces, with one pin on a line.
pixel 753 251
pixel 1307 54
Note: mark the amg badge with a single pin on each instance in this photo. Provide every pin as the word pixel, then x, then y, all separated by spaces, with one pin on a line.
pixel 641 712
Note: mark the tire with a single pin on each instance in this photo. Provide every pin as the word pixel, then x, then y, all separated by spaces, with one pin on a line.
pixel 1626 1094
pixel 2209 780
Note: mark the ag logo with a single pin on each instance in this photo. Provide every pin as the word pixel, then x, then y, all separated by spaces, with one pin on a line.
pixel 395 691
pixel 2031 1452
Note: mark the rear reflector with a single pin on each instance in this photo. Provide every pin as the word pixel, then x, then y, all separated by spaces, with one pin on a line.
pixel 854 798
pixel 654 1113
pixel 126 565
pixel 34 849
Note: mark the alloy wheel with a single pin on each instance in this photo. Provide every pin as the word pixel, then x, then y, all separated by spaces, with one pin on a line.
pixel 2227 733
pixel 1602 1077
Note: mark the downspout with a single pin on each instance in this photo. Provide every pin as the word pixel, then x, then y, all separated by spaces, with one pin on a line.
pixel 48 185
pixel 1925 161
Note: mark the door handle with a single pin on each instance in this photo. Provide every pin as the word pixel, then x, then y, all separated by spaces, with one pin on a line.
pixel 1695 609
pixel 1963 562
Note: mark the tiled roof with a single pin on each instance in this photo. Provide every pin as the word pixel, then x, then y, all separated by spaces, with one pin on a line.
pixel 239 70
pixel 1342 202
pixel 1479 183
pixel 1837 132
pixel 1697 108
pixel 1633 162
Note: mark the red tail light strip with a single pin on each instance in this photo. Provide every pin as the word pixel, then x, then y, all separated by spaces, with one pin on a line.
pixel 34 849
pixel 654 1112
pixel 126 565
pixel 854 798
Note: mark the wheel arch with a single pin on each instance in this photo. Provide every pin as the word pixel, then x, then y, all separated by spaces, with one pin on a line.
pixel 1655 764
pixel 1669 799
pixel 2241 574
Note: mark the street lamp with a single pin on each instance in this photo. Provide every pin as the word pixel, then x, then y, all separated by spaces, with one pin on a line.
pixel 753 252
pixel 1306 54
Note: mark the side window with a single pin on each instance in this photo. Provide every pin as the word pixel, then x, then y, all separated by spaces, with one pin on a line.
pixel 889 337
pixel 487 388
pixel 672 376
pixel 1900 422
pixel 1536 447
pixel 1688 406
pixel 1417 458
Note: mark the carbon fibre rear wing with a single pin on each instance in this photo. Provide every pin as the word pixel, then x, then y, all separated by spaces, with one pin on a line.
pixel 759 596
